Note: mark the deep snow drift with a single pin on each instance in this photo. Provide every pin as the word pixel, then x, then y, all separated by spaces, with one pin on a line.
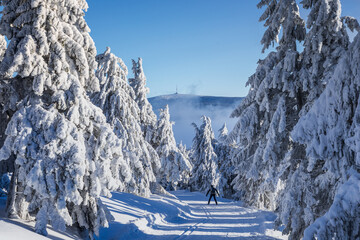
pixel 185 215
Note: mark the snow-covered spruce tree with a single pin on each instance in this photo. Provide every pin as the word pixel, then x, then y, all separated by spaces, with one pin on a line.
pixel 223 150
pixel 312 181
pixel 174 164
pixel 205 162
pixel 66 153
pixel 116 98
pixel 147 116
pixel 270 110
pixel 223 134
pixel 7 95
pixel 184 184
pixel 330 131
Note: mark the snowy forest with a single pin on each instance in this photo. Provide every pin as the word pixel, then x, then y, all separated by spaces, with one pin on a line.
pixel 76 125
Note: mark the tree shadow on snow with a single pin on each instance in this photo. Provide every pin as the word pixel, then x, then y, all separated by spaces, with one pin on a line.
pixel 30 228
pixel 191 218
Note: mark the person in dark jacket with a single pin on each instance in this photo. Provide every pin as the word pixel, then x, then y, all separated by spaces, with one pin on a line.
pixel 213 191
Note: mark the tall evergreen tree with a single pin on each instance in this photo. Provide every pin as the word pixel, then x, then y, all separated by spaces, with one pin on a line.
pixel 309 184
pixel 270 110
pixel 205 162
pixel 175 166
pixel 223 149
pixel 116 99
pixel 147 116
pixel 66 153
pixel 330 132
pixel 184 184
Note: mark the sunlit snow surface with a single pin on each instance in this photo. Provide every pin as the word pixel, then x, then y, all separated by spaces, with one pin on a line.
pixel 186 216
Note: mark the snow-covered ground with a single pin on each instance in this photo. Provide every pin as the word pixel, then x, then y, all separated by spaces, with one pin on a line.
pixel 16 229
pixel 185 215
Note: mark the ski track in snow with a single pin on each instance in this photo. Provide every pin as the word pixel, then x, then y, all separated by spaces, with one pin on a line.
pixel 185 216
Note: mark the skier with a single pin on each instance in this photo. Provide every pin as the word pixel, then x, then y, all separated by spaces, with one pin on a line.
pixel 213 191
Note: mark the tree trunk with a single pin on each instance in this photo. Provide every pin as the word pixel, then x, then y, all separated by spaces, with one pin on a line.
pixel 10 205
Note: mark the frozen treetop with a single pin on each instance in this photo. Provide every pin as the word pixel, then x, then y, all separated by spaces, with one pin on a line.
pixel 164 137
pixel 223 133
pixel 285 14
pixel 49 43
pixel 352 23
pixel 115 65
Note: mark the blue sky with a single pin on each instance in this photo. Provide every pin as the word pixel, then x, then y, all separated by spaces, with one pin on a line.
pixel 204 47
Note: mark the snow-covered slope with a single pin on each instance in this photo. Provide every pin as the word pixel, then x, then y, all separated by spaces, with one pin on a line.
pixel 186 109
pixel 185 215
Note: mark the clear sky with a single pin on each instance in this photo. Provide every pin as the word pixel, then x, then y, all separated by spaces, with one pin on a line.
pixel 203 47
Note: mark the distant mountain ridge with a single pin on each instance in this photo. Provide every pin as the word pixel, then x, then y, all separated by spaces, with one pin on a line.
pixel 186 109
pixel 196 100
